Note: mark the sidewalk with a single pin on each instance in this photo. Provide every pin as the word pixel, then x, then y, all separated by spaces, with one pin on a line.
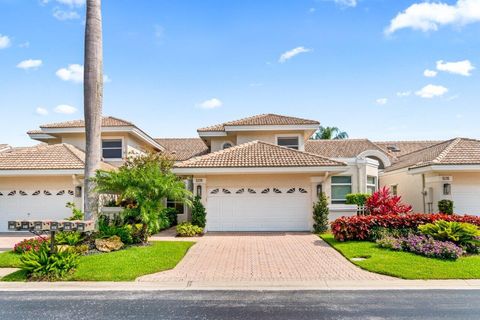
pixel 244 286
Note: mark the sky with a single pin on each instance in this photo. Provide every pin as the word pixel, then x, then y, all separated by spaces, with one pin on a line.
pixel 378 69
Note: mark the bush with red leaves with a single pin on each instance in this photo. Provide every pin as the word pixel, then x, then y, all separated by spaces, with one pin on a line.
pixel 383 202
pixel 361 227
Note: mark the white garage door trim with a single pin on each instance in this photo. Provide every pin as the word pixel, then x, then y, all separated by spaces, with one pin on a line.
pixel 259 209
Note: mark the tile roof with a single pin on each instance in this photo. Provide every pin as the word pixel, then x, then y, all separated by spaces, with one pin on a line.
pixel 458 151
pixel 262 120
pixel 258 154
pixel 405 147
pixel 45 157
pixel 4 146
pixel 183 148
pixel 342 148
pixel 106 122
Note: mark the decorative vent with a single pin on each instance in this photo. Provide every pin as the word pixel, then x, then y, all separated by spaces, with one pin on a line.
pixel 291 190
pixel 214 191
pixel 275 190
pixel 22 193
pixel 47 193
pixel 240 191
pixel 267 190
pixel 12 193
pixel 226 191
pixel 301 190
pixel 71 192
pixel 61 193
pixel 36 193
pixel 251 191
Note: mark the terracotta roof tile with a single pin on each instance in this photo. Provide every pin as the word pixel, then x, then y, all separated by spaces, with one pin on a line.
pixel 106 122
pixel 342 148
pixel 401 148
pixel 262 120
pixel 183 148
pixel 4 147
pixel 45 157
pixel 258 154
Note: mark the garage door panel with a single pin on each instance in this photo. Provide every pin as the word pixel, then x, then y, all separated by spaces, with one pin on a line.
pixel 466 199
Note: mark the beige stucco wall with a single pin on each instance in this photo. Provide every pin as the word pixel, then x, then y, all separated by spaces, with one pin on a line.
pixel 409 187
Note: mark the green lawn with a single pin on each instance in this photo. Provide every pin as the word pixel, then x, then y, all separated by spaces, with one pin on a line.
pixel 123 265
pixel 403 264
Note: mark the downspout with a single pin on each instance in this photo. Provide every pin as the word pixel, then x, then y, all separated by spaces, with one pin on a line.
pixel 423 194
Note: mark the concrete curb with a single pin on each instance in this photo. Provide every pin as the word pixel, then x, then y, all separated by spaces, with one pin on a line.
pixel 326 285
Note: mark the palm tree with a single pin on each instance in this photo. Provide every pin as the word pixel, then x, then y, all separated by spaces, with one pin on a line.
pixel 93 99
pixel 329 133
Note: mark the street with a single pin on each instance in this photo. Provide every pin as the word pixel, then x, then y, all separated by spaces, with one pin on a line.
pixel 419 304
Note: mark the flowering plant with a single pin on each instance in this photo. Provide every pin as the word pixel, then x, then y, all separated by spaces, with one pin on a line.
pixel 383 202
pixel 32 244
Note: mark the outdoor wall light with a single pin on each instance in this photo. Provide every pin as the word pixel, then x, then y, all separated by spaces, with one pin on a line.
pixel 447 189
pixel 78 192
pixel 199 191
pixel 319 189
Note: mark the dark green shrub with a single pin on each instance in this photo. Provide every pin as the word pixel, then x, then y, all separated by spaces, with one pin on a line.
pixel 378 233
pixel 320 214
pixel 171 214
pixel 445 206
pixel 71 238
pixel 198 213
pixel 186 229
pixel 107 230
pixel 357 198
pixel 43 265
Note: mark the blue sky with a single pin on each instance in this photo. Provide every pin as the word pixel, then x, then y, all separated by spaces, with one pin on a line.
pixel 174 66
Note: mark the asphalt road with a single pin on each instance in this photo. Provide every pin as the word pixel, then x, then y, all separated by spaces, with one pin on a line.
pixel 243 305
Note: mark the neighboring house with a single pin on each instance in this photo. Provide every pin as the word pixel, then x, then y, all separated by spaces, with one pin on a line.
pixel 37 182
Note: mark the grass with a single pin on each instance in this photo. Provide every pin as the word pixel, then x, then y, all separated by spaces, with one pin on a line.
pixel 404 264
pixel 123 265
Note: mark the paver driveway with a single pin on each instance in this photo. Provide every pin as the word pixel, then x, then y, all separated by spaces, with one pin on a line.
pixel 262 257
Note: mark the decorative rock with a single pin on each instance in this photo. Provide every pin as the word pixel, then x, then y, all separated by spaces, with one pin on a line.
pixel 110 244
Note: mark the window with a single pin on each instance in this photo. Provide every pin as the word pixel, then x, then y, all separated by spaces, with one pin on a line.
pixel 112 149
pixel 341 186
pixel 178 205
pixel 371 184
pixel 227 145
pixel 394 189
pixel 289 142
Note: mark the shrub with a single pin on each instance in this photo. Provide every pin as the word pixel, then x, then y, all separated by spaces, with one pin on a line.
pixel 423 245
pixel 383 202
pixel 357 198
pixel 33 244
pixel 461 233
pixel 445 206
pixel 186 229
pixel 362 227
pixel 71 238
pixel 171 214
pixel 107 230
pixel 77 214
pixel 198 213
pixel 320 214
pixel 377 233
pixel 42 265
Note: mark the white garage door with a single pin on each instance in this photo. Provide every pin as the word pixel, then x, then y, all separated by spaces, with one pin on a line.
pixel 466 199
pixel 39 204
pixel 259 209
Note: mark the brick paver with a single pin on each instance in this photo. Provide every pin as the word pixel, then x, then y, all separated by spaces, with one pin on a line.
pixel 262 257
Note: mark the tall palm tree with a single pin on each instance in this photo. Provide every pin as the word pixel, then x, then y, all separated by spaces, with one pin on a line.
pixel 93 99
pixel 329 133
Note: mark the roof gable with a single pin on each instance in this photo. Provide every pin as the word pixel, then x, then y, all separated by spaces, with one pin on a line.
pixel 341 148
pixel 183 148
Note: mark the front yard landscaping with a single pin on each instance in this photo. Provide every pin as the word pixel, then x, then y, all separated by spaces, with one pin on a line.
pixel 124 265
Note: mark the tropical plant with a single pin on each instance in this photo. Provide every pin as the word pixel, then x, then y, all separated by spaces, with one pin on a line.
pixel 329 133
pixel 77 214
pixel 445 206
pixel 33 244
pixel 70 238
pixel 142 184
pixel 199 215
pixel 383 202
pixel 320 214
pixel 43 265
pixel 458 232
pixel 186 229
pixel 93 99
pixel 357 198
pixel 171 215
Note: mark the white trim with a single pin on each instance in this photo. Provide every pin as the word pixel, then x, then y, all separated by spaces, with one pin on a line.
pixel 272 127
pixel 460 167
pixel 301 142
pixel 376 153
pixel 212 133
pixel 41 136
pixel 256 170
pixel 114 138
pixel 42 172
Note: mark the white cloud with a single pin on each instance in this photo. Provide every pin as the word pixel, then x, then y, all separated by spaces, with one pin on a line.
pixel 429 16
pixel 65 109
pixel 74 73
pixel 346 3
pixel 65 15
pixel 402 94
pixel 72 3
pixel 41 111
pixel 463 68
pixel 4 41
pixel 29 64
pixel 431 91
pixel 382 101
pixel 430 73
pixel 211 104
pixel 292 53
pixel 25 44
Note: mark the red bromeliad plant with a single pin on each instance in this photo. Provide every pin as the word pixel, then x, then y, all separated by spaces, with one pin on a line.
pixel 361 227
pixel 32 244
pixel 383 202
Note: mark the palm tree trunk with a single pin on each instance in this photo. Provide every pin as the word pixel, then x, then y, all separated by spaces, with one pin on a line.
pixel 93 99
